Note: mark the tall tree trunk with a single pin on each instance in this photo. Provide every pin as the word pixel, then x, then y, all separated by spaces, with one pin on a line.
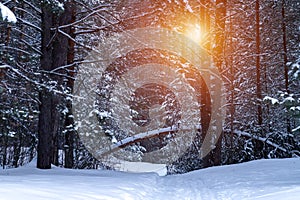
pixel 285 60
pixel 45 124
pixel 214 157
pixel 69 122
pixel 54 54
pixel 258 67
pixel 231 78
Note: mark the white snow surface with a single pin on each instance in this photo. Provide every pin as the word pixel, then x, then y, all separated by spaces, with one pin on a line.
pixel 262 179
pixel 7 14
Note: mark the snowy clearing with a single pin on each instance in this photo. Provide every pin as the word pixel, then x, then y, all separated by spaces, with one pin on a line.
pixel 262 179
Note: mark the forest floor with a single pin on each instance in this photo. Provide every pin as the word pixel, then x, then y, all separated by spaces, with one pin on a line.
pixel 262 179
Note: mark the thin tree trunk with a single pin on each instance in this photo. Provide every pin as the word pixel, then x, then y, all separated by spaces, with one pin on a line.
pixel 258 67
pixel 285 60
pixel 69 122
pixel 17 150
pixel 4 159
pixel 229 64
pixel 220 32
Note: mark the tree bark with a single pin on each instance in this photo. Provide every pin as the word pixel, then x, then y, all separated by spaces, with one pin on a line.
pixel 69 122
pixel 220 32
pixel 214 157
pixel 220 39
pixel 45 126
pixel 54 54
pixel 258 67
pixel 285 61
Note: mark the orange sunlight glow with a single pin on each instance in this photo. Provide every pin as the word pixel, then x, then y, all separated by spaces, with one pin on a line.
pixel 194 33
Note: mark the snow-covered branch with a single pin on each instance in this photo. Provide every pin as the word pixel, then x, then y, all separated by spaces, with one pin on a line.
pixel 34 81
pixel 264 140
pixel 27 23
pixel 38 10
pixel 3 66
pixel 149 134
pixel 7 14
pixel 296 129
pixel 78 43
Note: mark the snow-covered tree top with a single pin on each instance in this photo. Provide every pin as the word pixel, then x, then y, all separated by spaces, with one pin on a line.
pixel 7 14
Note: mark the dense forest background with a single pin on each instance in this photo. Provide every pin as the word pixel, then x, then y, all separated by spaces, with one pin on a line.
pixel 254 44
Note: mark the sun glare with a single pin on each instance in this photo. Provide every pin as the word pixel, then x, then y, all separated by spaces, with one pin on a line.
pixel 194 33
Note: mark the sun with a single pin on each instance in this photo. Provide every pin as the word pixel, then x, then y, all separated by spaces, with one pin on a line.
pixel 193 32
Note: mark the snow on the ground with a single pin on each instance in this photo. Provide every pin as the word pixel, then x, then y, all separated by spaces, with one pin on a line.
pixel 126 166
pixel 262 179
